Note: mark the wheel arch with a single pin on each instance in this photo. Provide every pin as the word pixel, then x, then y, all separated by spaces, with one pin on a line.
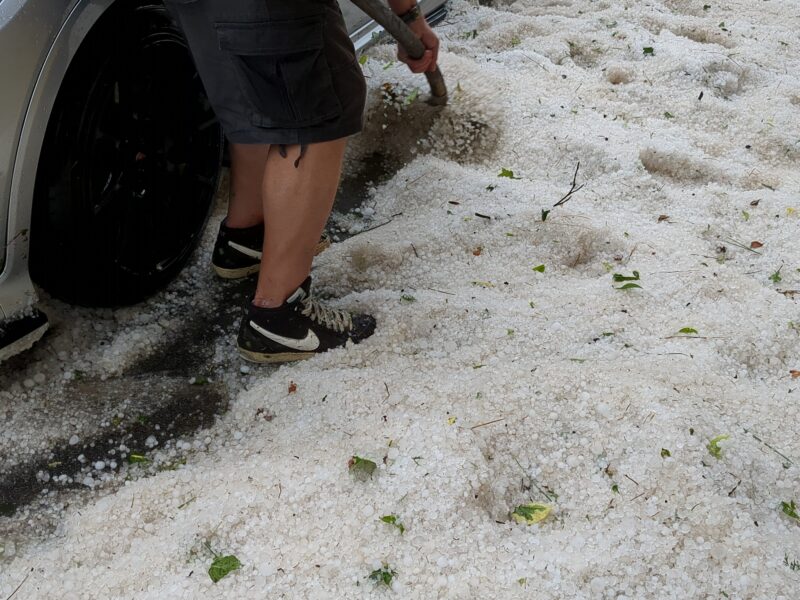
pixel 16 289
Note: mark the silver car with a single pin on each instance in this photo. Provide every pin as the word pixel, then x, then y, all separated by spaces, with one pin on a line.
pixel 109 153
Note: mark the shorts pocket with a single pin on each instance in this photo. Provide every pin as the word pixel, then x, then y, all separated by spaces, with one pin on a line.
pixel 283 70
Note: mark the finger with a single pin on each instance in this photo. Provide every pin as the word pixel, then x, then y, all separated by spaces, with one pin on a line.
pixel 422 64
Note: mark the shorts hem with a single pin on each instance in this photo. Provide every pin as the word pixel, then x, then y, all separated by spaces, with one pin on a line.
pixel 292 136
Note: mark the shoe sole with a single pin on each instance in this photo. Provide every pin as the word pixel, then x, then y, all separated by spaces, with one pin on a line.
pixel 322 245
pixel 279 357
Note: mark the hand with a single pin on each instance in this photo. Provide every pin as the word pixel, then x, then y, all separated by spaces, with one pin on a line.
pixel 431 42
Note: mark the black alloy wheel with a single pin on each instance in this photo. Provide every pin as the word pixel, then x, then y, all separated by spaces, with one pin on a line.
pixel 130 164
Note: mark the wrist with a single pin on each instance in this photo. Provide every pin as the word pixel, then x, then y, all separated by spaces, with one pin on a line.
pixel 408 12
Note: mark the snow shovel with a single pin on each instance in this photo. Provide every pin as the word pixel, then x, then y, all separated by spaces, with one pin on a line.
pixel 382 14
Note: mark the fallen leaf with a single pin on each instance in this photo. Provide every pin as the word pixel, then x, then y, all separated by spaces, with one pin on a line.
pixel 223 565
pixel 477 251
pixel 361 467
pixel 532 513
pixel 756 245
pixel 292 387
pixel 794 373
pixel 713 445
pixel 662 218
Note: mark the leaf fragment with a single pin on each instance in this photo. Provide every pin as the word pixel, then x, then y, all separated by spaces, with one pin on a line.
pixel 222 566
pixel 395 521
pixel 539 268
pixel 648 51
pixel 687 330
pixel 713 445
pixel 361 467
pixel 665 453
pixel 383 576
pixel 531 513
pixel 756 244
pixel 508 173
pixel 790 510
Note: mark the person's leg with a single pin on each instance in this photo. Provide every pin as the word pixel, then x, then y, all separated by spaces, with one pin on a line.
pixel 298 197
pixel 245 206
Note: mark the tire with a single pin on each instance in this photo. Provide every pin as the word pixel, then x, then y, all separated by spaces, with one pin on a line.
pixel 129 165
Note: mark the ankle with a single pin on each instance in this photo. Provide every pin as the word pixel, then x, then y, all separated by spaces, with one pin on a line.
pixel 267 302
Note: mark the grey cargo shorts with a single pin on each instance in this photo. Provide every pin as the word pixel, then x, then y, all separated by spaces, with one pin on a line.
pixel 275 71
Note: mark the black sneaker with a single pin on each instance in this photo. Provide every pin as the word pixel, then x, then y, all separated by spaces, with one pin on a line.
pixel 300 328
pixel 237 252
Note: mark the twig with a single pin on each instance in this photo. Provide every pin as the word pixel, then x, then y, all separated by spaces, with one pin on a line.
pixel 387 389
pixel 415 250
pixel 20 585
pixel 573 189
pixel 487 423
pixel 532 480
pixel 633 480
pixel 440 291
pixel 376 226
pixel 781 454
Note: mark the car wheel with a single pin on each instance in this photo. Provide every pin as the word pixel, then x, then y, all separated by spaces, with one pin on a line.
pixel 129 166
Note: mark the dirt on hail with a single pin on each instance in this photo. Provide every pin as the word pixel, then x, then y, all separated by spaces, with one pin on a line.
pixel 627 360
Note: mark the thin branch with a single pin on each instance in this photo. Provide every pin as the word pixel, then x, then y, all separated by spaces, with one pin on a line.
pixel 487 423
pixel 573 188
pixel 20 585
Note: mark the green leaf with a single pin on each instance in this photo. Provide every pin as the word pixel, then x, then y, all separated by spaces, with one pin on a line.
pixel 648 51
pixel 137 458
pixel 361 467
pixel 412 96
pixel 544 215
pixel 665 453
pixel 383 576
pixel 687 330
pixel 532 513
pixel 790 510
pixel 362 60
pixel 539 269
pixel 407 299
pixel 668 115
pixel 745 215
pixel 223 565
pixel 508 173
pixel 620 277
pixel 628 286
pixel 776 277
pixel 713 445
pixel 615 488
pixel 394 520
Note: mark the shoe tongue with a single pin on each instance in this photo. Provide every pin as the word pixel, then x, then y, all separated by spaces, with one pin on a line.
pixel 302 292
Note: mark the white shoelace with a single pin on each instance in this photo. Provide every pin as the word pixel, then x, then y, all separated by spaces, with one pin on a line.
pixel 338 320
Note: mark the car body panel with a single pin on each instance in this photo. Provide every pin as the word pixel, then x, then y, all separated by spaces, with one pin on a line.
pixel 42 37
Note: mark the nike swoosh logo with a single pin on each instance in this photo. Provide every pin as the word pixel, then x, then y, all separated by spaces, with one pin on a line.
pixel 245 250
pixel 306 344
